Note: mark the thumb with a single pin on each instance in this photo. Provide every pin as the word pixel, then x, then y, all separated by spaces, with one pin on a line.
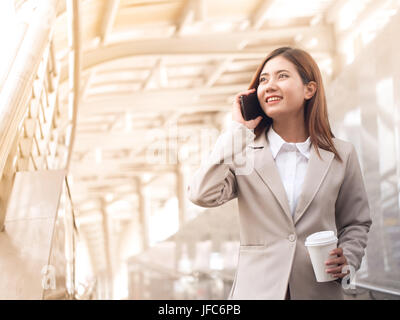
pixel 257 120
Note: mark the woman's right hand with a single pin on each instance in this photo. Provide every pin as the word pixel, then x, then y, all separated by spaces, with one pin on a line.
pixel 237 113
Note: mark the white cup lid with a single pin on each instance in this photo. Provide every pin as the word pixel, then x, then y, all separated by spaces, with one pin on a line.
pixel 321 238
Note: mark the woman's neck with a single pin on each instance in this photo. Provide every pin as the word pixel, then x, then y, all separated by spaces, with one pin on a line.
pixel 291 130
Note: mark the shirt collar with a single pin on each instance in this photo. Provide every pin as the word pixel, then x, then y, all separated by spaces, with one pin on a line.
pixel 276 143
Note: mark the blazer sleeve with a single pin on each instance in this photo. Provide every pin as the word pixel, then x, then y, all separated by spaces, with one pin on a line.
pixel 353 219
pixel 214 183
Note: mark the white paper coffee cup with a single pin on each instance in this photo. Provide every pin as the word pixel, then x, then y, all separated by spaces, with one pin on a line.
pixel 319 245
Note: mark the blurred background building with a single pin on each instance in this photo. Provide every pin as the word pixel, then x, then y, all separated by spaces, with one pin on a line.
pixel 108 106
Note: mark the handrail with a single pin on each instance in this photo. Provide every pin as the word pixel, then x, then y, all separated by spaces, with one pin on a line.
pixel 376 288
pixel 74 233
pixel 73 11
pixel 17 93
pixel 18 85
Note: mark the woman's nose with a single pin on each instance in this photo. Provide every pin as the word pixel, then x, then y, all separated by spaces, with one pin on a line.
pixel 270 86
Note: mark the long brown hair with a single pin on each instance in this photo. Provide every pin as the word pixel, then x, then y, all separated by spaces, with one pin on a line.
pixel 315 109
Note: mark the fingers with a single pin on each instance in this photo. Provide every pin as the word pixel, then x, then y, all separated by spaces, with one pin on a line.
pixel 237 113
pixel 334 270
pixel 244 93
pixel 337 251
pixel 339 260
pixel 254 122
pixel 338 273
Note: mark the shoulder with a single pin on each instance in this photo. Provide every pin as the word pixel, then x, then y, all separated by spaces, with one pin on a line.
pixel 342 145
pixel 345 149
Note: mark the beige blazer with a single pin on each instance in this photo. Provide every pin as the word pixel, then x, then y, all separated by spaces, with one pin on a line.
pixel 272 255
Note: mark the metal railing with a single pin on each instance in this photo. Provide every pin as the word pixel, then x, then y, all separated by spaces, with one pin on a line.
pixel 34 128
pixel 31 137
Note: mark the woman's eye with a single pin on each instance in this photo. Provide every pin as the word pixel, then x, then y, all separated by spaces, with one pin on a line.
pixel 282 75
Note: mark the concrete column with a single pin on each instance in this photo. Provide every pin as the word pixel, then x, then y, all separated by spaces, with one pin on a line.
pixel 143 212
pixel 178 251
pixel 107 239
pixel 181 174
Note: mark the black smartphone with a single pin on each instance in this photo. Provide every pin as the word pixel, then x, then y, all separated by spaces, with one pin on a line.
pixel 250 106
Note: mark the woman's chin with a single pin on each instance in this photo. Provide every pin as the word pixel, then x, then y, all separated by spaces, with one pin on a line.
pixel 273 113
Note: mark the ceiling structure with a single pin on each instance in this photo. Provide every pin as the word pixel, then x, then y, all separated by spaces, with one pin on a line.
pixel 156 74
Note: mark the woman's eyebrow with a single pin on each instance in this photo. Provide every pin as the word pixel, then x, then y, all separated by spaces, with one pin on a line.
pixel 267 74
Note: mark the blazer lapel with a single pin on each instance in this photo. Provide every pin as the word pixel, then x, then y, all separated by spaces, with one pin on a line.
pixel 315 174
pixel 266 168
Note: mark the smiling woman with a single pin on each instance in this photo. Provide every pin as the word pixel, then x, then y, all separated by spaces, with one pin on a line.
pixel 303 107
pixel 299 180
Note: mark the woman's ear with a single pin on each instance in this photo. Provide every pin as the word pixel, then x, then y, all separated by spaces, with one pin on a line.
pixel 310 89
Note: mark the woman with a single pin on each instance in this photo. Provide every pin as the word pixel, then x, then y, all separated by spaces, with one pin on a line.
pixel 299 179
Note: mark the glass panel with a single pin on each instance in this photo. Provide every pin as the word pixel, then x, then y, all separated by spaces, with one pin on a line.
pixel 370 120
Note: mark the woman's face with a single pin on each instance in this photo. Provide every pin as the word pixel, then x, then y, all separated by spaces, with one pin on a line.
pixel 280 79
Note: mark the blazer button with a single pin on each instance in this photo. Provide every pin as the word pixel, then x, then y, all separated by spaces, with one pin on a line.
pixel 292 237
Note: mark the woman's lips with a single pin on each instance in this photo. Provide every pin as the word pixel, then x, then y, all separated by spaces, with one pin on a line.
pixel 273 102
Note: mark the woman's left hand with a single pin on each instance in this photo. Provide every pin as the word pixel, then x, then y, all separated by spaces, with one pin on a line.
pixel 340 261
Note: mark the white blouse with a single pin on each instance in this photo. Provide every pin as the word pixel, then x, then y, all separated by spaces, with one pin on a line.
pixel 291 160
